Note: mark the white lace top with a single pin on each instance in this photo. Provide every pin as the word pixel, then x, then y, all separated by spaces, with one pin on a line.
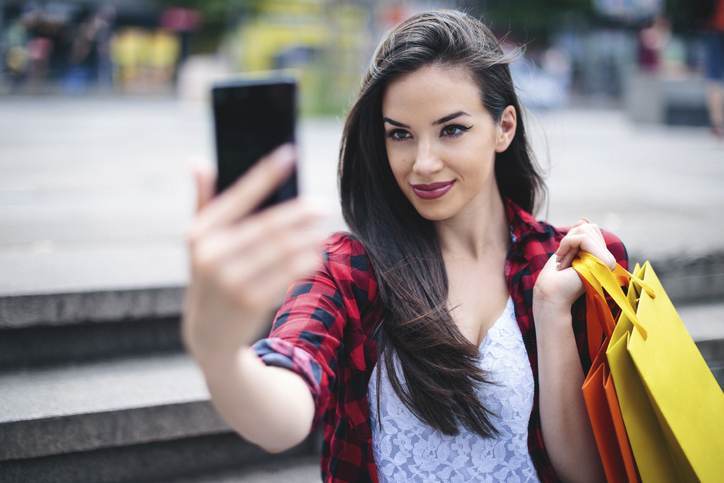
pixel 406 449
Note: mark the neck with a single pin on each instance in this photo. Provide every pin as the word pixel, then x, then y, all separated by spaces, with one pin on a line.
pixel 479 230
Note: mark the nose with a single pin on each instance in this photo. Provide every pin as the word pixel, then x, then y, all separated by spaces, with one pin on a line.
pixel 427 162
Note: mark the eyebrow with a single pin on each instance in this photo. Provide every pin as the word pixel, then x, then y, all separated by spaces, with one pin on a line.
pixel 443 119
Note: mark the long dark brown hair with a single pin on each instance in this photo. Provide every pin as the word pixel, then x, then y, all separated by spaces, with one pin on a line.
pixel 440 366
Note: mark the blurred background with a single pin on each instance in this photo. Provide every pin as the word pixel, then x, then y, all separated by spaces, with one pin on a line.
pixel 575 49
pixel 104 109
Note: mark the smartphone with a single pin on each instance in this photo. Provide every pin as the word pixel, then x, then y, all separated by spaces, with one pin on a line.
pixel 252 117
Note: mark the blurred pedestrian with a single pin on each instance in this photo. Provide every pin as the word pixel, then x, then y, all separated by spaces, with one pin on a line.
pixel 129 51
pixel 90 50
pixel 652 41
pixel 163 55
pixel 714 67
pixel 16 56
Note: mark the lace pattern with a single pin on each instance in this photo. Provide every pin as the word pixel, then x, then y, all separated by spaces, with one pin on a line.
pixel 406 449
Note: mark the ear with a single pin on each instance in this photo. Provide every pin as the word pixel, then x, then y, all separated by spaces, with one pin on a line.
pixel 505 129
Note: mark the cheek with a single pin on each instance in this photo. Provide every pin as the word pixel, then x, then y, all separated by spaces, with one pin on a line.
pixel 398 165
pixel 482 173
pixel 477 172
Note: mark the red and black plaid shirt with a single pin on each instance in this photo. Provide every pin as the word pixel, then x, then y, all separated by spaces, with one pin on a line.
pixel 323 332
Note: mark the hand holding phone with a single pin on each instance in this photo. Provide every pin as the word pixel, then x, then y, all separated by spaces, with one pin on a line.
pixel 244 256
pixel 242 262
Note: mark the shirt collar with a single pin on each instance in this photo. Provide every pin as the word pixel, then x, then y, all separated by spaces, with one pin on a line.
pixel 520 222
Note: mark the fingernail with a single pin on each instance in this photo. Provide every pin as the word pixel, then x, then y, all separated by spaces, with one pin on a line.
pixel 196 164
pixel 284 155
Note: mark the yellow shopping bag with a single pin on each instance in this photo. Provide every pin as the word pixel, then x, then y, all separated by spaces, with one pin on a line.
pixel 672 406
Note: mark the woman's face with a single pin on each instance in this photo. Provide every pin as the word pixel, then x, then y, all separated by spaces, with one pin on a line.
pixel 441 141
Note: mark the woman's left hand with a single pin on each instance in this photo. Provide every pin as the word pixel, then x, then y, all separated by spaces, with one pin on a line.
pixel 558 284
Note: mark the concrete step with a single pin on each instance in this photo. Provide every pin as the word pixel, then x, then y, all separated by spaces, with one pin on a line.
pixel 149 416
pixel 300 469
pixel 212 458
pixel 96 405
pixel 40 330
pixel 45 346
pixel 133 419
pixel 705 323
pixel 688 279
pixel 66 308
pixel 121 402
pixel 59 328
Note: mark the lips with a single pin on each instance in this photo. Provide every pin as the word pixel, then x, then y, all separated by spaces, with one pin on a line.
pixel 432 190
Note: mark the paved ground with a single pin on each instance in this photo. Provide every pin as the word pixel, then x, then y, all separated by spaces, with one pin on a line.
pixel 97 192
pixel 304 469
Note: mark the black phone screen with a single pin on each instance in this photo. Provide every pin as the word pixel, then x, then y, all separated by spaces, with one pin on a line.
pixel 252 118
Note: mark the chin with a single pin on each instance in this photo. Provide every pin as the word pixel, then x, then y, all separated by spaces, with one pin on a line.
pixel 436 213
pixel 440 209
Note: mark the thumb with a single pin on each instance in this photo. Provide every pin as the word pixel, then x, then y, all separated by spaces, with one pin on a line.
pixel 204 179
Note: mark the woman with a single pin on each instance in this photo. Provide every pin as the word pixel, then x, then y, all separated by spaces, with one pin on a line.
pixel 464 307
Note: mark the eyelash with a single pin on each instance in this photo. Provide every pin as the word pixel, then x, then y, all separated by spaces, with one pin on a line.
pixel 462 129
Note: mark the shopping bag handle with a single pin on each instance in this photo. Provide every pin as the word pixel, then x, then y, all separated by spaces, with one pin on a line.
pixel 600 277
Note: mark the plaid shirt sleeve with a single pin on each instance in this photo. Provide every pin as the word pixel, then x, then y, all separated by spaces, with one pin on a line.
pixel 309 326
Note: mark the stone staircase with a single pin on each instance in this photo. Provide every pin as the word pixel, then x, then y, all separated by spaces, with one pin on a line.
pixel 96 387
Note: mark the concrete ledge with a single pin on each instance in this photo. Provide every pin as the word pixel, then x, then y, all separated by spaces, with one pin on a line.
pixel 691 279
pixel 38 346
pixel 98 306
pixel 222 457
pixel 656 98
pixel 688 279
pixel 295 469
pixel 118 403
pixel 91 431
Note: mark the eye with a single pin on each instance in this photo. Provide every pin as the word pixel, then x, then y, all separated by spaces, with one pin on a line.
pixel 454 130
pixel 398 135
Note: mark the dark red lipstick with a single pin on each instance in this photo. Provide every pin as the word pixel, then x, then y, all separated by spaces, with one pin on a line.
pixel 432 190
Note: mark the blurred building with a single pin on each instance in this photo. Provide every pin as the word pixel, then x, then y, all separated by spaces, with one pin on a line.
pixel 644 56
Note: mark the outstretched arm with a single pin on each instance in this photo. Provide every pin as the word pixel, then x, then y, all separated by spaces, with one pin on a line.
pixel 269 406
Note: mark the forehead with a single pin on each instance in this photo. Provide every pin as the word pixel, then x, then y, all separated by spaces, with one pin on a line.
pixel 430 92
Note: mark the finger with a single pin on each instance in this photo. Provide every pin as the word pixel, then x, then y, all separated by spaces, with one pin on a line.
pixel 280 262
pixel 586 224
pixel 580 222
pixel 583 226
pixel 566 261
pixel 598 232
pixel 569 248
pixel 213 251
pixel 261 229
pixel 204 179
pixel 573 230
pixel 250 190
pixel 269 257
pixel 587 242
pixel 593 229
